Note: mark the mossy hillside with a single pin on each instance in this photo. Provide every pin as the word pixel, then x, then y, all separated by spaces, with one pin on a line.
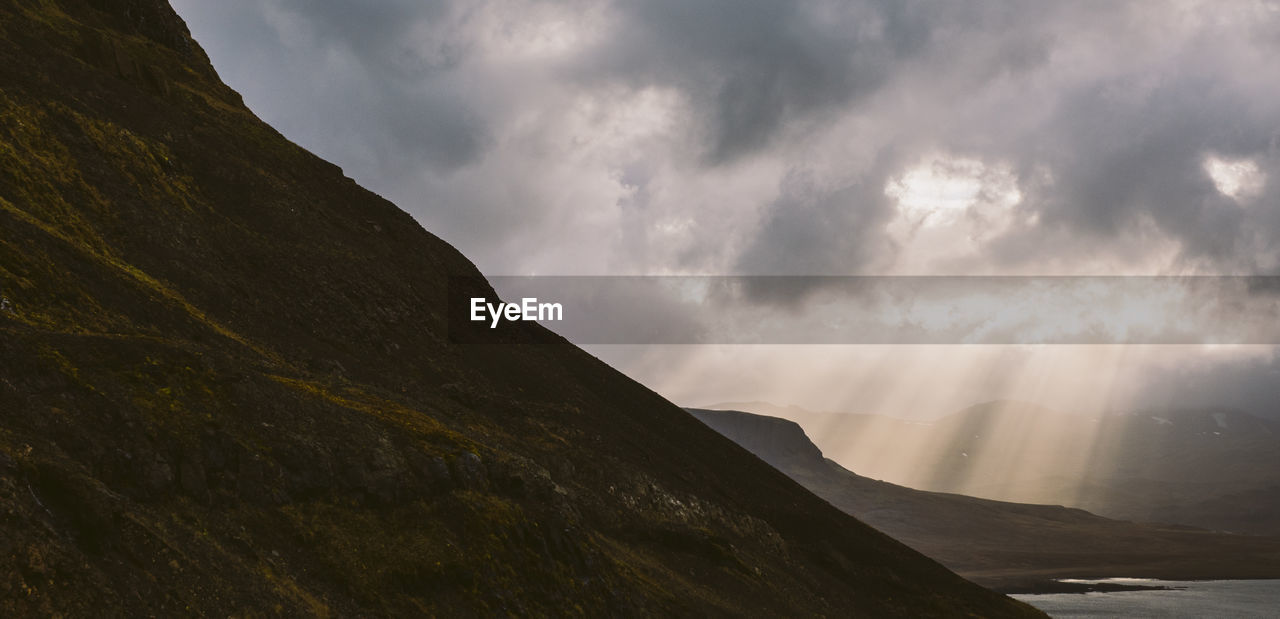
pixel 177 457
pixel 182 442
pixel 225 388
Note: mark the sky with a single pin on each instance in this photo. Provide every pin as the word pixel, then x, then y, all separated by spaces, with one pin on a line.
pixel 754 137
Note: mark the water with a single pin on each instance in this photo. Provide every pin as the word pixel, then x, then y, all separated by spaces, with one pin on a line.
pixel 1204 599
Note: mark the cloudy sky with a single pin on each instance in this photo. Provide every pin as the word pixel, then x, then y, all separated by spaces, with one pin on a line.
pixel 878 137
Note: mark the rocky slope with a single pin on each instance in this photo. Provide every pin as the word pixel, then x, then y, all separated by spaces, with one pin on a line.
pixel 1010 546
pixel 227 388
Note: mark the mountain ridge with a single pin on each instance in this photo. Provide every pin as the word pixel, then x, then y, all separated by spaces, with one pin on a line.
pixel 1013 547
pixel 1209 467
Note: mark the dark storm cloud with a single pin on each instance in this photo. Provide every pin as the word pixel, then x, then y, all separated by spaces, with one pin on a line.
pixel 1120 134
pixel 1120 162
pixel 365 83
pixel 815 230
pixel 748 67
pixel 382 33
pixel 752 68
pixel 433 129
pixel 390 89
pixel 754 71
pixel 404 54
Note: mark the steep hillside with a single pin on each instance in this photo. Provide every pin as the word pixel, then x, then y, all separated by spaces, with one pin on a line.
pixel 1010 546
pixel 227 388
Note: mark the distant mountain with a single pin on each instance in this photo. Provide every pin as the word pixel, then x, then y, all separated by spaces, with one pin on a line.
pixel 1212 468
pixel 228 387
pixel 1010 546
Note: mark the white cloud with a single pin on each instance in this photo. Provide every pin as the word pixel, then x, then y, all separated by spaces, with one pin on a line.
pixel 1241 179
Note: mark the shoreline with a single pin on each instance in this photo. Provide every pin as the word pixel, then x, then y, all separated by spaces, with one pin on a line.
pixel 1046 587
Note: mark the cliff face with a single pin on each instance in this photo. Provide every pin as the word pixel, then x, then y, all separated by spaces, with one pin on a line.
pixel 780 442
pixel 226 386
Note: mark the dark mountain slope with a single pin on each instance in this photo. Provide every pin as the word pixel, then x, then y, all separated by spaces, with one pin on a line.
pixel 1011 546
pixel 226 388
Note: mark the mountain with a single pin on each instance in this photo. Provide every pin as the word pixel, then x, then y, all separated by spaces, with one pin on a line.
pixel 228 387
pixel 1009 546
pixel 1212 468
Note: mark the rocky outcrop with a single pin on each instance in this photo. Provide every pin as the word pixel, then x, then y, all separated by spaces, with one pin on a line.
pixel 780 442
